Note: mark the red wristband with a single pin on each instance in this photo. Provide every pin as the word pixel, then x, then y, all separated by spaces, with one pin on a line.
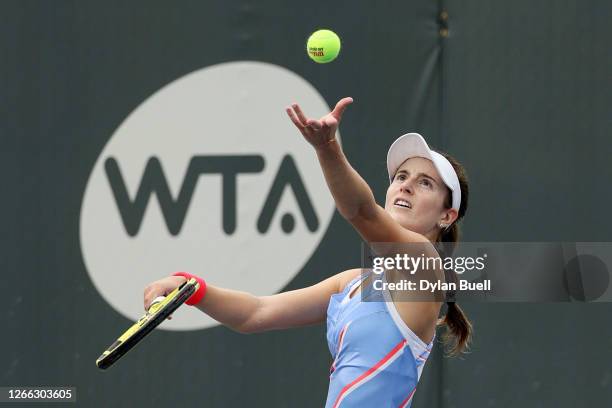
pixel 199 294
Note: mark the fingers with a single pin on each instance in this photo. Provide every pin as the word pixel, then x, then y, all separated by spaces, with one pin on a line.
pixel 150 294
pixel 297 116
pixel 299 113
pixel 294 118
pixel 300 121
pixel 340 107
pixel 331 120
pixel 148 298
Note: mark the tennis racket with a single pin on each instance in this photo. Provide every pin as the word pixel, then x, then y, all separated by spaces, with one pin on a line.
pixel 159 310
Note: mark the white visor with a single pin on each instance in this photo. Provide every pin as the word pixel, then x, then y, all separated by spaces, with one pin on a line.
pixel 413 145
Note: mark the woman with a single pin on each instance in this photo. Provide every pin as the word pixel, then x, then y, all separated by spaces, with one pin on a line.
pixel 379 348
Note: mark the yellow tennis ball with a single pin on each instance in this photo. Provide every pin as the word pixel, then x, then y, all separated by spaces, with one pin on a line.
pixel 323 46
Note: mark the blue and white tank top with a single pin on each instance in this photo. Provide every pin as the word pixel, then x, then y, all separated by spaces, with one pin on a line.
pixel 377 359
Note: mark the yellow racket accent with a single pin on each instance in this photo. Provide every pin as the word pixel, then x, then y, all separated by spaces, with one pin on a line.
pixel 159 310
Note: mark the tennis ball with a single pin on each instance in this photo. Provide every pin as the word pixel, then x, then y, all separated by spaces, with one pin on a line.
pixel 323 46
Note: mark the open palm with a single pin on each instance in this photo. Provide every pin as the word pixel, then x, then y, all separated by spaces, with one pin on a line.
pixel 318 132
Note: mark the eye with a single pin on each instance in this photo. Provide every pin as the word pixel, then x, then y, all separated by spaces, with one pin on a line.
pixel 400 177
pixel 426 182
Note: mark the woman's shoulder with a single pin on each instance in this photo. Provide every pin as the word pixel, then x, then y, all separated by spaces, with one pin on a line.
pixel 346 277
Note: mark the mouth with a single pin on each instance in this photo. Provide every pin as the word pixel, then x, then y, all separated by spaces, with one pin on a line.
pixel 400 202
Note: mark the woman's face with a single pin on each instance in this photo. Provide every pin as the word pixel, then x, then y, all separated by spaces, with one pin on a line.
pixel 416 197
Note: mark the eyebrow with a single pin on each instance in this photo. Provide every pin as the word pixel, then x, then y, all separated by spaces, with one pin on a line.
pixel 418 175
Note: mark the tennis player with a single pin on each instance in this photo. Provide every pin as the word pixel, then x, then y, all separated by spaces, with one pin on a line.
pixel 378 348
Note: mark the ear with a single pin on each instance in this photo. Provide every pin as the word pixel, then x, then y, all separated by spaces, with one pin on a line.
pixel 449 216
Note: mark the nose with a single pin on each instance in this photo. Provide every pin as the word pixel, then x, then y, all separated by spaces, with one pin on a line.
pixel 407 185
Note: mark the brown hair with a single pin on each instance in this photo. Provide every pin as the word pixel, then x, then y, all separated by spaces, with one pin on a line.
pixel 458 328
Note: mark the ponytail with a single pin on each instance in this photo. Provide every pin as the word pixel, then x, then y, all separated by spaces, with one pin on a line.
pixel 458 332
pixel 451 236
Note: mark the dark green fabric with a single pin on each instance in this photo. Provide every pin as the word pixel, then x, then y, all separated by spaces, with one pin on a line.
pixel 519 92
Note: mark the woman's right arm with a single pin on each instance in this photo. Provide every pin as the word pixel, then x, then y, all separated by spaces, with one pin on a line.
pixel 353 197
pixel 247 313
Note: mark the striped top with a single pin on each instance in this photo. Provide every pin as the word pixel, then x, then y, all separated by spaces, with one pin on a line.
pixel 377 359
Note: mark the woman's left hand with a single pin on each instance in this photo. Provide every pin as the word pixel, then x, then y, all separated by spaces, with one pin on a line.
pixel 320 132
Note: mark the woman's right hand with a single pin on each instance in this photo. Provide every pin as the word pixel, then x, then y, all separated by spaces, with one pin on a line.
pixel 161 288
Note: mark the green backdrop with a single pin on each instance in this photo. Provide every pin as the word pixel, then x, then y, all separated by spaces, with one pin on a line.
pixel 518 91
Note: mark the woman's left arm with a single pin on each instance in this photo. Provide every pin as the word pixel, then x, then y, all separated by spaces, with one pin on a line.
pixel 353 196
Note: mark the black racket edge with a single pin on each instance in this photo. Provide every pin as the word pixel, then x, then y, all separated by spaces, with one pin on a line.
pixel 128 344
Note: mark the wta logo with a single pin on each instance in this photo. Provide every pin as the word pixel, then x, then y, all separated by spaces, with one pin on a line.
pixel 207 175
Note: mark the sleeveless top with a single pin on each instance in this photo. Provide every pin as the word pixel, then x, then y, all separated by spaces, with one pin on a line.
pixel 377 359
